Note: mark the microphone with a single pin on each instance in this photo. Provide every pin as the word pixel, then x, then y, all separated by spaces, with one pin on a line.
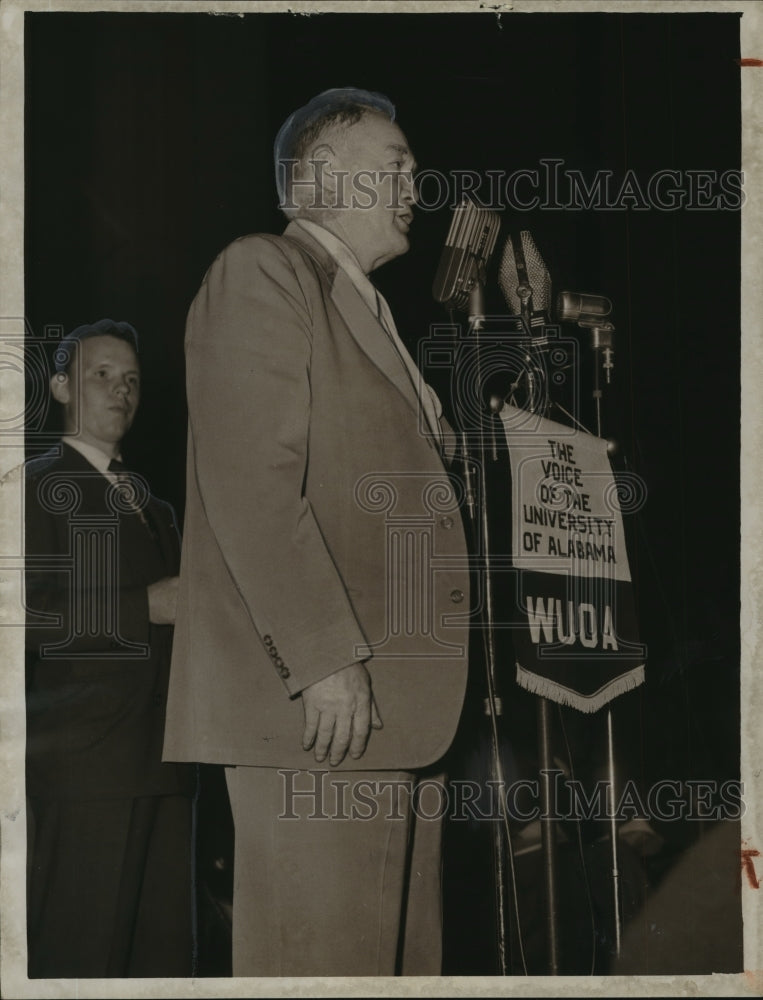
pixel 468 246
pixel 585 310
pixel 590 312
pixel 524 279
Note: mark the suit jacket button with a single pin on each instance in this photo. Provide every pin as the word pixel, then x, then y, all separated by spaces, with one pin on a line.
pixel 446 522
pixel 456 596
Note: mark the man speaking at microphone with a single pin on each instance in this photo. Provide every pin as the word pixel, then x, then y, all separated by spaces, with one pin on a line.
pixel 320 645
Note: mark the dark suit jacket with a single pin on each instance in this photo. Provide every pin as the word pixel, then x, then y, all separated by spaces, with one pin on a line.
pixel 97 669
pixel 321 526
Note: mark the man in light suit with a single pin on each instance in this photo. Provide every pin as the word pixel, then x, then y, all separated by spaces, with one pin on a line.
pixel 324 596
pixel 110 873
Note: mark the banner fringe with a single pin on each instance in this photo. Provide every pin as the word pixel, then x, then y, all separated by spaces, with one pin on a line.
pixel 589 704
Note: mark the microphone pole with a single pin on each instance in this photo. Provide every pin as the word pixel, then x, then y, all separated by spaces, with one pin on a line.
pixel 460 283
pixel 493 703
pixel 529 295
pixel 590 312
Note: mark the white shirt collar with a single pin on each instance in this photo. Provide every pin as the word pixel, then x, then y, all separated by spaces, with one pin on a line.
pixel 376 302
pixel 97 458
pixel 346 259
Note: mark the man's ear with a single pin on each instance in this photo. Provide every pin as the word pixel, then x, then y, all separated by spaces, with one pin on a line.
pixel 323 161
pixel 60 388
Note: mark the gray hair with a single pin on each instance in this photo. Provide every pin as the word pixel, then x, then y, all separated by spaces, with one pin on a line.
pixel 339 106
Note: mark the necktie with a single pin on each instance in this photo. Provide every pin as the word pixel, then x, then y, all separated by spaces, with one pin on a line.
pixel 125 478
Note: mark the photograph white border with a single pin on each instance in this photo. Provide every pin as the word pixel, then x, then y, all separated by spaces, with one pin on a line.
pixel 13 982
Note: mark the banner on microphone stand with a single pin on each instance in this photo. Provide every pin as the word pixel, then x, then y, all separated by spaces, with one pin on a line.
pixel 575 631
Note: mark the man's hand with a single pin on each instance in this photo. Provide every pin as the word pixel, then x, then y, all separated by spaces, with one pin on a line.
pixel 339 714
pixel 163 601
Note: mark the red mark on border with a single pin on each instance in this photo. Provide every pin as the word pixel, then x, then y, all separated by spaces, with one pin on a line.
pixel 750 62
pixel 747 854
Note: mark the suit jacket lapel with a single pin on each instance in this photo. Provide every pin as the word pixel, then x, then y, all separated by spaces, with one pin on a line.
pixel 367 330
pixel 138 551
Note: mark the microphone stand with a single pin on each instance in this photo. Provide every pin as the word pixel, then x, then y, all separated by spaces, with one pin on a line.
pixel 524 293
pixel 601 334
pixel 548 833
pixel 601 344
pixel 460 282
pixel 493 703
pixel 545 750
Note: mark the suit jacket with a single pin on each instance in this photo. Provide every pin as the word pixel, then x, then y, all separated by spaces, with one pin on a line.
pixel 97 669
pixel 321 525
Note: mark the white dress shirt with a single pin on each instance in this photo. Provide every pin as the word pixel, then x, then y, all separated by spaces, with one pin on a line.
pixel 95 456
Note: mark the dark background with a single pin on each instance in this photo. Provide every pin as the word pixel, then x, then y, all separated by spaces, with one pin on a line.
pixel 149 148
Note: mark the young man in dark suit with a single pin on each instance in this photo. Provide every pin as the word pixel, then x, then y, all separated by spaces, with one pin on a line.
pixel 110 888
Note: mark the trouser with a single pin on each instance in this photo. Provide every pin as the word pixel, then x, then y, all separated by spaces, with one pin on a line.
pixel 336 873
pixel 110 888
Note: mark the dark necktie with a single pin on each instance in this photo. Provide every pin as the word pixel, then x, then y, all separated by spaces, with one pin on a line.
pixel 125 477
